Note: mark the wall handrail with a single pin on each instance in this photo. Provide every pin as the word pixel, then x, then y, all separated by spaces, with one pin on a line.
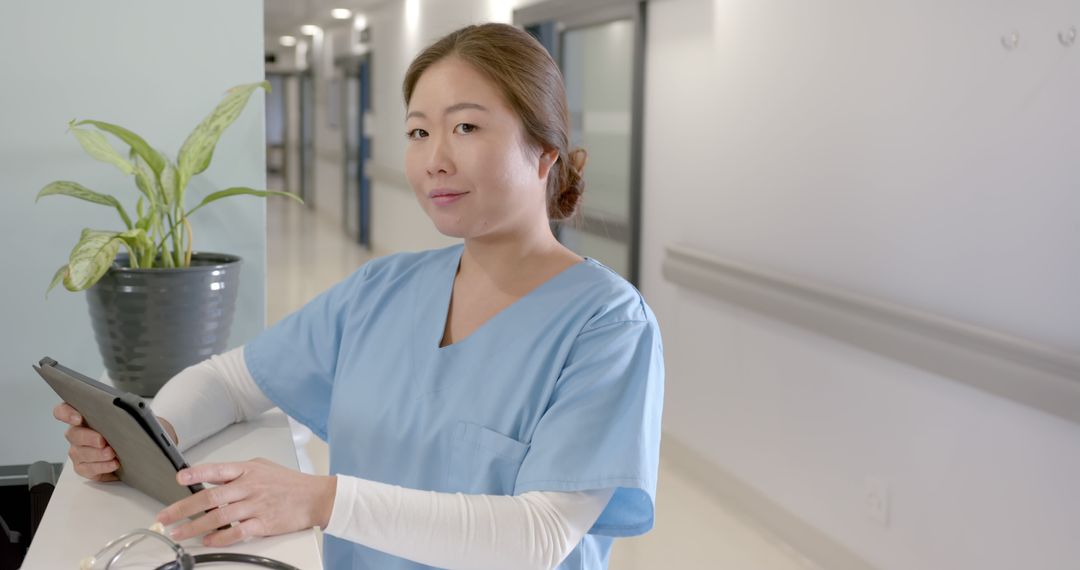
pixel 1037 375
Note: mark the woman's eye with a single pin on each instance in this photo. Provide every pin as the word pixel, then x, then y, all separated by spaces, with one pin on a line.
pixel 464 128
pixel 416 134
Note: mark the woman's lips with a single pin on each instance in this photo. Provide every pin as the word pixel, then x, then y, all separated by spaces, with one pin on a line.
pixel 445 198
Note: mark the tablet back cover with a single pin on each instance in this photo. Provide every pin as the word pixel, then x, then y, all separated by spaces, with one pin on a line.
pixel 143 465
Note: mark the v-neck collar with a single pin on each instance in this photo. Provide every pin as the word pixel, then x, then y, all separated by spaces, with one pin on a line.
pixel 447 293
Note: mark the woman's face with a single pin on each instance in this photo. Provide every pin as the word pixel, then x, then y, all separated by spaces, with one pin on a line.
pixel 467 158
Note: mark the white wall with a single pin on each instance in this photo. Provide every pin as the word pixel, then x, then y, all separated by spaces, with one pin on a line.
pixel 897 150
pixel 157 70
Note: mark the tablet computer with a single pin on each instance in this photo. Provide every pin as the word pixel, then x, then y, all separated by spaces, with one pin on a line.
pixel 148 459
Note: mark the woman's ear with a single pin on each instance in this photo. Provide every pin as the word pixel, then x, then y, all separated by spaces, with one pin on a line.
pixel 547 161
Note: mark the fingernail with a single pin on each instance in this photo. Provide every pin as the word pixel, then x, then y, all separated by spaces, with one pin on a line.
pixel 185 476
pixel 75 418
pixel 174 533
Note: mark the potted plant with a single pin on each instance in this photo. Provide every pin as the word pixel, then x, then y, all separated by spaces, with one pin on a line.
pixel 159 306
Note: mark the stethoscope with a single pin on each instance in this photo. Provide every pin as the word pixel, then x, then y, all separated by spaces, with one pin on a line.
pixel 183 561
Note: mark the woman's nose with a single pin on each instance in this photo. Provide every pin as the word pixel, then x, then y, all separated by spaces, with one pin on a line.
pixel 440 161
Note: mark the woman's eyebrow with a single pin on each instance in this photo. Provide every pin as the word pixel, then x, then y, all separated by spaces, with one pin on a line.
pixel 451 109
pixel 461 106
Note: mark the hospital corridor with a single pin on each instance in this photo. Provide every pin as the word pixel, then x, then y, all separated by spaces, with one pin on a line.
pixel 565 284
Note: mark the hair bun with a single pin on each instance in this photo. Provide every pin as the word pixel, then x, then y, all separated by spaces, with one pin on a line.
pixel 578 158
pixel 571 187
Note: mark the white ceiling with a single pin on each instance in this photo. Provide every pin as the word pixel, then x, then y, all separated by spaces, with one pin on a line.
pixel 284 17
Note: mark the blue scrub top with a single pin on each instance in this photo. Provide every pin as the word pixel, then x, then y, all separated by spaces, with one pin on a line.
pixel 561 391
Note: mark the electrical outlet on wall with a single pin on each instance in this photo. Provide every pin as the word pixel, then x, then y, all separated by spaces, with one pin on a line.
pixel 876 500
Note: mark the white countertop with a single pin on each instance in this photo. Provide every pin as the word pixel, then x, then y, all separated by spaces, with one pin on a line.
pixel 83 516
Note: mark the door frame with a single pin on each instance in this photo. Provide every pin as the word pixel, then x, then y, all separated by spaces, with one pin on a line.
pixel 357 66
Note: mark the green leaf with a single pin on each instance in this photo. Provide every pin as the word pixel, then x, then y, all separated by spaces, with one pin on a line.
pixel 146 215
pixel 136 241
pixel 95 145
pixel 76 190
pixel 198 149
pixel 241 191
pixel 170 185
pixel 146 180
pixel 147 221
pixel 137 144
pixel 91 258
pixel 60 275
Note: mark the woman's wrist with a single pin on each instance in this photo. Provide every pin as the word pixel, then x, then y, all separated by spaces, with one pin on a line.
pixel 324 499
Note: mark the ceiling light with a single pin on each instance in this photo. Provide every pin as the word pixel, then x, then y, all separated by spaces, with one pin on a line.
pixel 287 41
pixel 360 22
pixel 341 13
pixel 412 16
pixel 310 29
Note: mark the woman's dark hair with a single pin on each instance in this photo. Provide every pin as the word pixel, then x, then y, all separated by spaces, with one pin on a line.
pixel 533 86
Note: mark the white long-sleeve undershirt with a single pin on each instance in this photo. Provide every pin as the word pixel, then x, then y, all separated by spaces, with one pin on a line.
pixel 537 529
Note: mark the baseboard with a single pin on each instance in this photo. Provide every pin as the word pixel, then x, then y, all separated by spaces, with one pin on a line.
pixel 802 539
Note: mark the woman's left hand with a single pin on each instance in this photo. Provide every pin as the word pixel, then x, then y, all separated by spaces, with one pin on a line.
pixel 264 498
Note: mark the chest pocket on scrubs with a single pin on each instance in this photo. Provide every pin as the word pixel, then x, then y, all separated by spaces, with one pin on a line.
pixel 483 461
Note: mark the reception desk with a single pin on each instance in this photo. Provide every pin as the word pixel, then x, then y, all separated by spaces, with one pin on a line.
pixel 83 516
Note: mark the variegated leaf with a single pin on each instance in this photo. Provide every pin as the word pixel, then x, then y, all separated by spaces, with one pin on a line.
pixel 140 146
pixel 239 191
pixel 60 275
pixel 198 149
pixel 76 190
pixel 91 258
pixel 136 241
pixel 146 180
pixel 170 184
pixel 95 144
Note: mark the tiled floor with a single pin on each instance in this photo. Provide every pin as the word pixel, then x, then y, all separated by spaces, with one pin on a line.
pixel 693 531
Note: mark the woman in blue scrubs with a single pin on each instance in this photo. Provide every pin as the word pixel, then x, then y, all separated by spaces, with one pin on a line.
pixel 503 366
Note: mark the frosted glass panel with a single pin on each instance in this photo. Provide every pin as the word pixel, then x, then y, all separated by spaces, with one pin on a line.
pixel 598 62
pixel 612 253
pixel 598 68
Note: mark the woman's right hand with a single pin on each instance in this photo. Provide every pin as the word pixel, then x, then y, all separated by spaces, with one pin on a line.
pixel 91 455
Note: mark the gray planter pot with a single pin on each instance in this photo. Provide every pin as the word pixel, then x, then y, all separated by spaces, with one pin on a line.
pixel 152 323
